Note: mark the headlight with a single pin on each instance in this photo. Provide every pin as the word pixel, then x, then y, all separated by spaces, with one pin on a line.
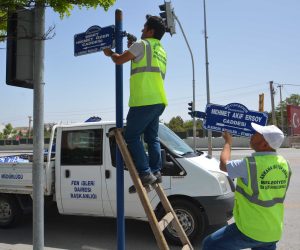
pixel 222 178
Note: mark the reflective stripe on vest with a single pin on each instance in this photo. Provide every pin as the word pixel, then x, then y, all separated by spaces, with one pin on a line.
pixel 254 186
pixel 147 68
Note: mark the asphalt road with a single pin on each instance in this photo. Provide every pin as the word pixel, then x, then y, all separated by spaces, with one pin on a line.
pixel 88 233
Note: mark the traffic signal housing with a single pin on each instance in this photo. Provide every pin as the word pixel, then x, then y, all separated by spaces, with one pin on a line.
pixel 261 103
pixel 190 108
pixel 19 48
pixel 168 16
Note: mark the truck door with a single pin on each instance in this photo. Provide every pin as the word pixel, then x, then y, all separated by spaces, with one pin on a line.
pixel 133 206
pixel 80 160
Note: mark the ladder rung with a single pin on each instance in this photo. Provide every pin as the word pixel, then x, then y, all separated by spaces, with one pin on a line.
pixel 165 221
pixel 168 208
pixel 186 247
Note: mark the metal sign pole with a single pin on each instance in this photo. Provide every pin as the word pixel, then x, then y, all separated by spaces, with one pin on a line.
pixel 119 121
pixel 38 126
pixel 209 133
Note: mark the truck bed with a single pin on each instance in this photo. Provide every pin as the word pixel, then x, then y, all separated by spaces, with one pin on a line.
pixel 17 177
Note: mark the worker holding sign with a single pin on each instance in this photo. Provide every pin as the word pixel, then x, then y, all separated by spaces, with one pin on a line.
pixel 147 97
pixel 262 183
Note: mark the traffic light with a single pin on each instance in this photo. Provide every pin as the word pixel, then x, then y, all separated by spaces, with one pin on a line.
pixel 19 48
pixel 190 108
pixel 261 103
pixel 167 15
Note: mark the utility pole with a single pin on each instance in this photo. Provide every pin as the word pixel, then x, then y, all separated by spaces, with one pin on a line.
pixel 272 92
pixel 209 133
pixel 29 128
pixel 281 106
pixel 38 125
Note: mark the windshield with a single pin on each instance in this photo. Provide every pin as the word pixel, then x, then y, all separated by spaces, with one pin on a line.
pixel 173 141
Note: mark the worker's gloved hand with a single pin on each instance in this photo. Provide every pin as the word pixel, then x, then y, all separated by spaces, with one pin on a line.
pixel 130 39
pixel 108 52
pixel 129 43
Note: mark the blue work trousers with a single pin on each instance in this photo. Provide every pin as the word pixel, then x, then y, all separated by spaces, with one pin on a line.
pixel 144 120
pixel 230 238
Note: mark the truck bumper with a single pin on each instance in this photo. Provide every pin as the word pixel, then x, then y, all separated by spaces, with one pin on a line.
pixel 217 208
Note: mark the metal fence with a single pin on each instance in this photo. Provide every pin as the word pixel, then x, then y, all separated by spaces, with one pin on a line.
pixel 20 141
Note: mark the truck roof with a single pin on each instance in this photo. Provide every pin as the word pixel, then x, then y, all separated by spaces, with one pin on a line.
pixel 86 124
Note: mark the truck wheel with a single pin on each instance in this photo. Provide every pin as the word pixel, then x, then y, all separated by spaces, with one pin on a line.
pixel 10 211
pixel 191 218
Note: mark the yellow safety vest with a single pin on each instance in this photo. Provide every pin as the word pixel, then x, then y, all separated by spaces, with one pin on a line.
pixel 258 209
pixel 147 76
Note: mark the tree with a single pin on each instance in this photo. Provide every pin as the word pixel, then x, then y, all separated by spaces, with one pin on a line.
pixel 8 131
pixel 20 134
pixel 176 124
pixel 63 7
pixel 2 25
pixel 184 128
pixel 188 125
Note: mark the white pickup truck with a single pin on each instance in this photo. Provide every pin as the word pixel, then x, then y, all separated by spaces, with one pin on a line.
pixel 80 176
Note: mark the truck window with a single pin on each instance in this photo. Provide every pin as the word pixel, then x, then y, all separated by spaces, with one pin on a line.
pixel 82 147
pixel 112 146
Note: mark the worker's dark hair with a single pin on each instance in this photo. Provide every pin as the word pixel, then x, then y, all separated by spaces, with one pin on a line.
pixel 157 24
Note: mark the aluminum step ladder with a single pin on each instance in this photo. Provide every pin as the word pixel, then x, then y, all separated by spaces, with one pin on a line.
pixel 170 217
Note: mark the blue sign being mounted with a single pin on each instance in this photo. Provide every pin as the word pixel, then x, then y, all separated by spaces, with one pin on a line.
pixel 94 39
pixel 234 117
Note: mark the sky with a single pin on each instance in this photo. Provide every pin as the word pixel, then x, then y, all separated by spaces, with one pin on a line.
pixel 250 43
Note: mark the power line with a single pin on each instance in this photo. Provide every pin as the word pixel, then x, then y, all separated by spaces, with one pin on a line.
pixel 287 84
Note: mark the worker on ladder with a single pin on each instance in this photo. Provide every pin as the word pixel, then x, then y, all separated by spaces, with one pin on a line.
pixel 147 97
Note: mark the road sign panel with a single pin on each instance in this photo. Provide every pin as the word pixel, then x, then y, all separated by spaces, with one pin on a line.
pixel 234 117
pixel 94 39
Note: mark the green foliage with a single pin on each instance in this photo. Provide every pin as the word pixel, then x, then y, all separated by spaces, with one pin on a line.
pixel 8 131
pixel 63 7
pixel 19 133
pixel 294 99
pixel 3 26
pixel 176 124
pixel 188 125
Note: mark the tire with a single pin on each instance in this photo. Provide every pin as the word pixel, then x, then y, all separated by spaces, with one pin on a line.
pixel 190 216
pixel 10 211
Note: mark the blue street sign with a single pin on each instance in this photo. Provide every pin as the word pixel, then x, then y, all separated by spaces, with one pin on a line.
pixel 234 118
pixel 94 39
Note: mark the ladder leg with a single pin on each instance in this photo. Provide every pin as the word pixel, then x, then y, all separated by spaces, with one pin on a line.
pixel 156 226
pixel 168 208
pixel 160 239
